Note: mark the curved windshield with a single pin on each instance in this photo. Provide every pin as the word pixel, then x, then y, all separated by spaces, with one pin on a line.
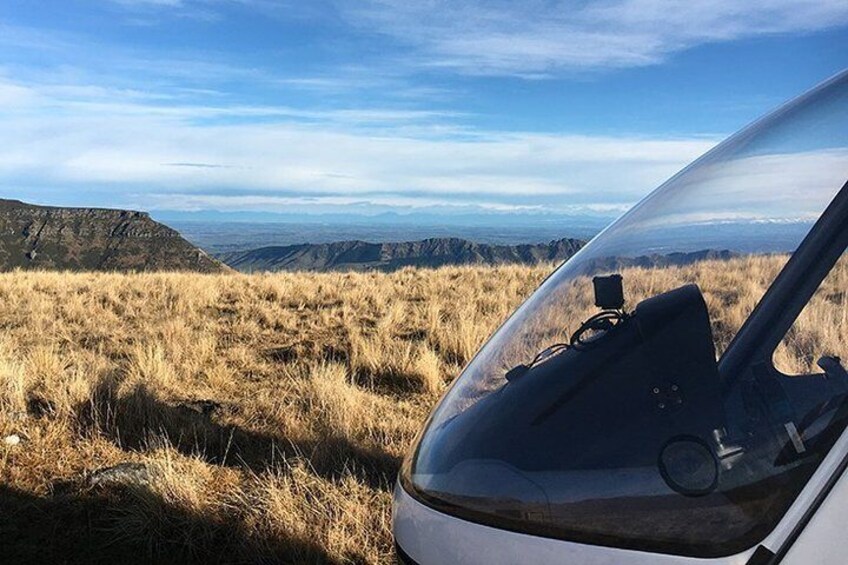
pixel 632 400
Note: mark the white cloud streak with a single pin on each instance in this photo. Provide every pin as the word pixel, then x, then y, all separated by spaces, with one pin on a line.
pixel 777 187
pixel 537 38
pixel 87 139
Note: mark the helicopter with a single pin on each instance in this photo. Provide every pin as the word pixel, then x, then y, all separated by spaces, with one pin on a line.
pixel 632 409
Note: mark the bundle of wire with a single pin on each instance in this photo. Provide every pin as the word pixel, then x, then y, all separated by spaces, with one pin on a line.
pixel 601 322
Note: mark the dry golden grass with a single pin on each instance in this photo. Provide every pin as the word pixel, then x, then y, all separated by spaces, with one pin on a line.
pixel 320 382
pixel 316 385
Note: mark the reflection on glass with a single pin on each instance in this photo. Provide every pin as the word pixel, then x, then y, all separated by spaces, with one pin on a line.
pixel 636 430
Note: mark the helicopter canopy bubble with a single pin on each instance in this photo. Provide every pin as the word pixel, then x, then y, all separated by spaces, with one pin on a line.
pixel 661 424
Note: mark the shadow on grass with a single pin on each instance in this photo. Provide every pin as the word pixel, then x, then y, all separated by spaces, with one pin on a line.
pixel 136 420
pixel 132 525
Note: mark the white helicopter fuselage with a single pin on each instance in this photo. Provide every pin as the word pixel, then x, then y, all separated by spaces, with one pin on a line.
pixel 813 531
pixel 667 433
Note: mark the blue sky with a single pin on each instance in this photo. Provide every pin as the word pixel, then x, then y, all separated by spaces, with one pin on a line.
pixel 374 105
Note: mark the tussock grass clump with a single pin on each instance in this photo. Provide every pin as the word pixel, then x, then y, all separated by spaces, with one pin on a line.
pixel 269 413
pixel 266 414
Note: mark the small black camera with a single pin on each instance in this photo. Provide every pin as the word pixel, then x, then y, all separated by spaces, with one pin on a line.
pixel 609 292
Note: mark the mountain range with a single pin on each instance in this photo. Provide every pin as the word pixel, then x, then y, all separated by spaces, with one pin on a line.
pixel 362 255
pixel 78 239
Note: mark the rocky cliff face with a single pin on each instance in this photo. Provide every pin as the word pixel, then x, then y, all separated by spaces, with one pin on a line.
pixel 360 255
pixel 41 237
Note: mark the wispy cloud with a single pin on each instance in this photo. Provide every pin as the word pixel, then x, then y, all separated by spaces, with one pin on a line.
pixel 129 146
pixel 161 123
pixel 776 187
pixel 536 38
pixel 137 3
pixel 196 165
pixel 149 12
pixel 71 58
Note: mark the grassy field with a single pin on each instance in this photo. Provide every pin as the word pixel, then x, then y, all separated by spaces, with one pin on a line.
pixel 266 415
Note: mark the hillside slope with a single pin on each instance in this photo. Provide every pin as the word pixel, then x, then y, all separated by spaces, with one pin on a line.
pixel 42 237
pixel 183 418
pixel 361 255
